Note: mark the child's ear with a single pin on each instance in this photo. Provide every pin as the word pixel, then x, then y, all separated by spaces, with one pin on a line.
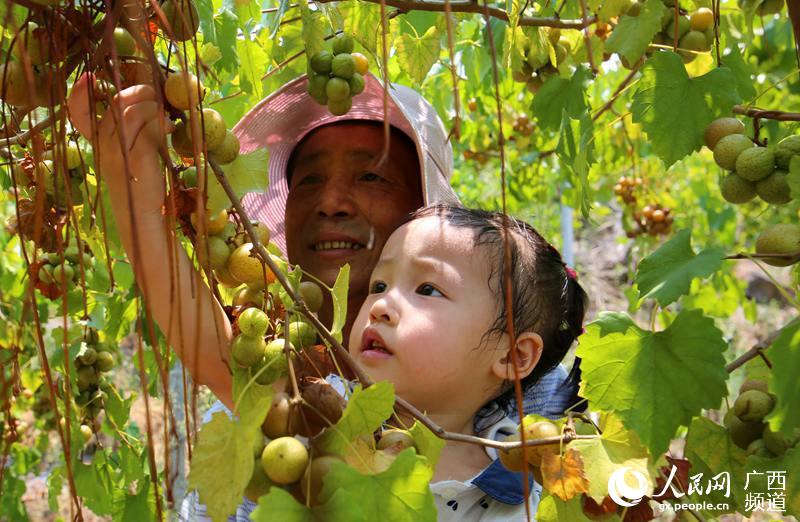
pixel 529 350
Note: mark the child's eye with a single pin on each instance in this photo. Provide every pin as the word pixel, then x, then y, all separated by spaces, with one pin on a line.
pixel 377 287
pixel 429 289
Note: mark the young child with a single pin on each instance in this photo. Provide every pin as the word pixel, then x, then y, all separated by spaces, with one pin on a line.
pixel 434 324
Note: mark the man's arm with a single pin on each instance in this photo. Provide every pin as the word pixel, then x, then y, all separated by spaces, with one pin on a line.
pixel 182 305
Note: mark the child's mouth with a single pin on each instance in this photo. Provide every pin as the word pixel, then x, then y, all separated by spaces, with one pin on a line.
pixel 373 346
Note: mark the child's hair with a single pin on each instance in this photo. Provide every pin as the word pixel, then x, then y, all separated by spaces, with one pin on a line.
pixel 546 297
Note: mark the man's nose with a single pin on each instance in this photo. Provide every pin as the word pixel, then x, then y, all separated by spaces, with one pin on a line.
pixel 336 199
pixel 383 311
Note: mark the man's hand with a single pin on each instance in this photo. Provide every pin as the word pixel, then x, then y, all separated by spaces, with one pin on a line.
pixel 134 126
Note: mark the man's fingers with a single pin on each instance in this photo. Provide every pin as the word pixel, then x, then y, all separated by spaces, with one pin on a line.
pixel 78 105
pixel 134 118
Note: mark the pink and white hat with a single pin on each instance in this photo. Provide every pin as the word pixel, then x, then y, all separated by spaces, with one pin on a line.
pixel 283 118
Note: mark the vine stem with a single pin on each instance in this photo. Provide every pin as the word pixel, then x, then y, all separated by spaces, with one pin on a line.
pixel 469 6
pixel 24 136
pixel 764 114
pixel 752 353
pixel 342 352
pixel 620 89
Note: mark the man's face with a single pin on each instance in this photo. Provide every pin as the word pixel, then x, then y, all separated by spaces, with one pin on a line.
pixel 342 206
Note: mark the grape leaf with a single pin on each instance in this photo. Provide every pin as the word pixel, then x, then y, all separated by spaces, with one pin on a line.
pixel 366 410
pixel 245 174
pixel 117 408
pixel 222 464
pixel 608 9
pixel 667 273
pixel 675 110
pixel 632 35
pixel 614 449
pixel 429 445
pixel 559 95
pixel 654 381
pixel 418 54
pixel 315 27
pixel 363 457
pixel 253 62
pixel 252 399
pixel 742 72
pixel 339 296
pixel 399 493
pixel 93 484
pixel 793 178
pixel 362 20
pixel 133 508
pixel 279 504
pixel 563 474
pixel 785 356
pixel 710 450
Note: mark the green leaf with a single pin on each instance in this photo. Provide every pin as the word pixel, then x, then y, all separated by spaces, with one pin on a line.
pixel 576 152
pixel 631 36
pixel 794 177
pixel 400 493
pixel 117 408
pixel 366 410
pixel 93 484
pixel 253 62
pixel 559 95
pixel 362 20
pixel 245 174
pixel 614 449
pixel 609 9
pixel 252 399
pixel 429 445
pixel 222 464
pixel 710 450
pixel 279 504
pixel 315 28
pixel 675 110
pixel 418 54
pixel 667 273
pixel 743 73
pixel 654 381
pixel 785 356
pixel 226 27
pixel 339 296
pixel 137 507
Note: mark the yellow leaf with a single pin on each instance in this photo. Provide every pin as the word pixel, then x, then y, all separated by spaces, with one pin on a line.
pixel 563 474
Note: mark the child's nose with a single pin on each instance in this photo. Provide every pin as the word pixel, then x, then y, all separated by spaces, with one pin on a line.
pixel 382 311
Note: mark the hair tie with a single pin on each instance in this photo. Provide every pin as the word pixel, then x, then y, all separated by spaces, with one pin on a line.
pixel 571 274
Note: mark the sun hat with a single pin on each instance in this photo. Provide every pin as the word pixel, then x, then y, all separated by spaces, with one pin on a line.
pixel 282 119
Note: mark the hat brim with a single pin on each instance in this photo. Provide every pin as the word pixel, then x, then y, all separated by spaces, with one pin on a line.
pixel 285 117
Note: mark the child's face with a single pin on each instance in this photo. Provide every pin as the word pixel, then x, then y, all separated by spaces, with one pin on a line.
pixel 429 305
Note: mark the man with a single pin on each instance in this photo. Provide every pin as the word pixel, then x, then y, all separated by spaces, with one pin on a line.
pixel 333 199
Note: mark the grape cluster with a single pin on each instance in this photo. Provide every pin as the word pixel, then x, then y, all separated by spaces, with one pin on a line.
pixel 695 31
pixel 335 77
pixel 299 466
pixel 626 188
pixel 538 65
pixel 184 91
pixel 94 359
pixel 762 7
pixel 522 126
pixel 653 220
pixel 63 273
pixel 746 426
pixel 752 170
